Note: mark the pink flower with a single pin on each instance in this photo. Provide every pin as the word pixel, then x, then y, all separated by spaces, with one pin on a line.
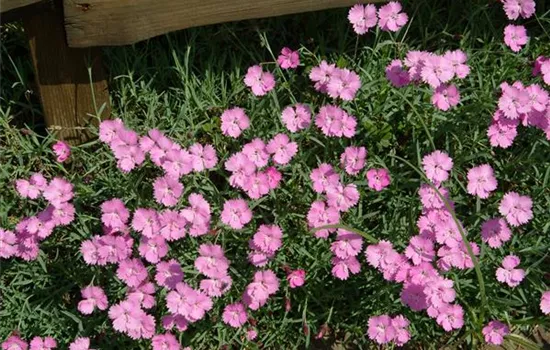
pixel 198 215
pixel 347 244
pixel 169 274
pixel 62 151
pixel 502 133
pixel 259 81
pixel 324 177
pixel 235 315
pixel 114 214
pixel 179 322
pixel 450 317
pixel 288 58
pixel 153 249
pixel 297 117
pixel 415 62
pixel 436 70
pixel 495 232
pixel 8 242
pixel 132 272
pixel 167 190
pixel 92 297
pixel 402 335
pixel 458 60
pixel 251 334
pixel 204 157
pixel 126 149
pixel 319 215
pixel 282 149
pixel 396 75
pixel 257 185
pixel 516 8
pixel 108 129
pixel 353 159
pixel 420 250
pixel 414 297
pixel 58 191
pixel 516 208
pixel 335 122
pixel 321 75
pixel 216 287
pixel 545 303
pixel 343 84
pixel 430 198
pixel 256 152
pixel 47 343
pixel 268 238
pixel 481 181
pixel 341 268
pixel 515 37
pixel 363 18
pixel 146 221
pixel 296 278
pixel 437 166
pixel 439 291
pixel 172 225
pixel 31 188
pixel 513 102
pixel 14 342
pixel 81 343
pixel 508 273
pixel 142 295
pixel 378 179
pixel 381 329
pixel 241 169
pixel 236 213
pixel 234 122
pixel 212 263
pixel 445 97
pixel 165 341
pixel 538 98
pixel 187 302
pixel 342 197
pixel 265 283
pixel 177 162
pixel 494 332
pixel 391 17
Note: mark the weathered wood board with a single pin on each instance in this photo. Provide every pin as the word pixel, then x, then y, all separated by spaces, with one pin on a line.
pixel 7 5
pixel 121 22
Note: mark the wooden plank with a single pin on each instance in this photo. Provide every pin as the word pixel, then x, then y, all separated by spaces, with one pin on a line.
pixel 62 77
pixel 121 22
pixel 8 5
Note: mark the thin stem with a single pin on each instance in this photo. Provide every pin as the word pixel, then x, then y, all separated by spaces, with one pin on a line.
pixel 462 235
pixel 428 134
pixel 365 235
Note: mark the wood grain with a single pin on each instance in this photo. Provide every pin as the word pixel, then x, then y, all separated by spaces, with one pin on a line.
pixel 121 22
pixel 8 5
pixel 62 77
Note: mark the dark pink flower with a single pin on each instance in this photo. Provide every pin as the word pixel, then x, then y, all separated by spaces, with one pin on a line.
pixel 378 179
pixel 296 278
pixel 62 151
pixel 494 332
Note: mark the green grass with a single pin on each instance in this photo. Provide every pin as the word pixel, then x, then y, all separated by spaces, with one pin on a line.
pixel 180 83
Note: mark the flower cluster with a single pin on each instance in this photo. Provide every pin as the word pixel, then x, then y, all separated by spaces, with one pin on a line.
pixel 515 36
pixel 345 248
pixel 256 293
pixel 389 17
pixel 334 81
pixel 435 70
pixel 213 264
pixel 15 342
pixel 264 244
pixel 385 329
pixel 29 232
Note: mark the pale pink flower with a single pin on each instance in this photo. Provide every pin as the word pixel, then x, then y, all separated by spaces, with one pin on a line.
pixel 515 37
pixel 31 188
pixel 256 152
pixel 513 102
pixel 165 341
pixel 62 151
pixel 251 334
pixel 153 249
pixel 341 268
pixel 265 283
pixel 172 225
pixel 204 157
pixel 439 291
pixel 378 179
pixel 321 75
pixel 288 58
pixel 296 278
pixel 516 208
pixel 177 162
pixel 212 262
pixel 402 335
pixel 508 273
pixel 451 317
pixel 430 198
pixel 420 250
pixel 445 97
pixel 481 181
pixel 319 215
pixel 363 18
pixel 8 242
pixel 58 191
pixel 234 122
pixel 344 84
pixel 282 149
pixel 545 303
pixel 436 70
pixel 391 18
pixel 146 221
pixel 437 166
pixel 198 215
pixel 258 81
pixel 495 232
pixel 268 238
pixel 114 214
pixel 108 129
pixel 169 273
pixel 126 149
pixel 257 185
pixel 236 213
pixel 92 297
pixel 502 134
pixel 324 177
pixel 235 315
pixel 335 122
pixel 415 62
pixel 14 342
pixel 296 118
pixel 494 332
pixel 216 287
pixel 516 8
pixel 46 343
pixel 353 159
pixel 396 75
pixel 458 59
pixel 132 272
pixel 81 343
pixel 381 329
pixel 143 295
pixel 347 244
pixel 241 169
pixel 167 190
pixel 61 215
pixel 342 197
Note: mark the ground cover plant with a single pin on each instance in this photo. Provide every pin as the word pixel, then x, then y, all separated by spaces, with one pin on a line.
pixel 365 176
